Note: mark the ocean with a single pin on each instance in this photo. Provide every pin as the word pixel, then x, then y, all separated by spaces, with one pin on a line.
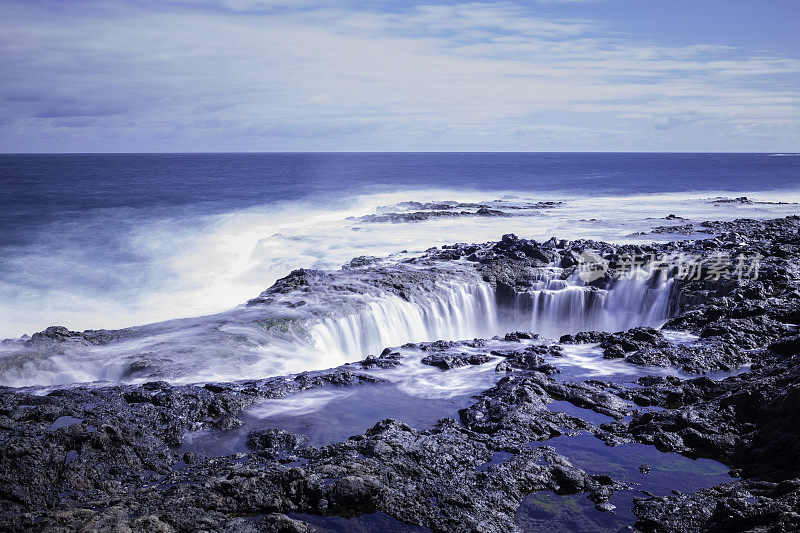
pixel 115 240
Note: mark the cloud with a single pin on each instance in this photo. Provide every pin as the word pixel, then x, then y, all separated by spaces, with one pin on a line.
pixel 270 75
pixel 676 120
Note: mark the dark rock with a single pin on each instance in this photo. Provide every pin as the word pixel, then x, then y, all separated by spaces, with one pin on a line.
pixel 448 361
pixel 503 367
pixel 584 337
pixel 276 440
pixel 517 336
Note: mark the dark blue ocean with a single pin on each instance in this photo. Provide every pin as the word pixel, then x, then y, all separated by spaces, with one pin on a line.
pixel 117 239
pixel 40 189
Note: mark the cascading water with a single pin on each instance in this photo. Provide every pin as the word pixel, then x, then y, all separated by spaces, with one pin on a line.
pixel 468 309
pixel 337 323
pixel 553 306
pixel 460 310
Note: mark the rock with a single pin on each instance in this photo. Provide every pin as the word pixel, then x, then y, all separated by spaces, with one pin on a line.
pixel 741 506
pixel 584 337
pixel 387 359
pixel 787 345
pixel 615 351
pixel 276 440
pixel 449 361
pixel 517 336
pixel 692 359
pixel 227 422
pixel 503 367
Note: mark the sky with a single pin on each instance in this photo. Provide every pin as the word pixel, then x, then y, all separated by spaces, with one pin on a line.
pixel 277 75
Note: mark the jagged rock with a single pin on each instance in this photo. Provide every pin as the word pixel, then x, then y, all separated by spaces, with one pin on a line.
pixel 448 361
pixel 275 440
pixel 742 506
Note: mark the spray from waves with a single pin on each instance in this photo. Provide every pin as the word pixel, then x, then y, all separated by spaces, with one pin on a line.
pixel 116 267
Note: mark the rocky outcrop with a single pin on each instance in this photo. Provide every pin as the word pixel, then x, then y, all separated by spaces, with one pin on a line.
pixel 419 211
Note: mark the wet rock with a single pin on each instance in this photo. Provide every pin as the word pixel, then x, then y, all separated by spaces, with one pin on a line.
pixel 605 506
pixel 227 423
pixel 449 361
pixel 787 345
pixel 584 337
pixel 617 351
pixel 747 506
pixel 678 229
pixel 503 367
pixel 442 211
pixel 692 359
pixel 518 336
pixel 387 359
pixel 276 440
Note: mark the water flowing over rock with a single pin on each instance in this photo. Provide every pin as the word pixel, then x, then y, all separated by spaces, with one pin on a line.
pixel 315 319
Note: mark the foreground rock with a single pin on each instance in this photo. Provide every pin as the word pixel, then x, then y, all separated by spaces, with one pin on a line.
pixel 101 458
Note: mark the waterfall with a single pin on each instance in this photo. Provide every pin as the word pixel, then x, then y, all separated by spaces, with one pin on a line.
pixel 553 307
pixel 460 310
pixel 468 309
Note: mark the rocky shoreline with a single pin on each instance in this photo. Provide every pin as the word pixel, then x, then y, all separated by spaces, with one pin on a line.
pixel 106 457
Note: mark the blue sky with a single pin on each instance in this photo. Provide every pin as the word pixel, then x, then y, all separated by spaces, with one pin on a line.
pixel 274 75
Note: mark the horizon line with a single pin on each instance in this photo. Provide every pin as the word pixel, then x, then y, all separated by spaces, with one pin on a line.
pixel 267 152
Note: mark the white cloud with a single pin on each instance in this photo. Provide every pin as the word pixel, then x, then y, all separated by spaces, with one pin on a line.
pixel 465 76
